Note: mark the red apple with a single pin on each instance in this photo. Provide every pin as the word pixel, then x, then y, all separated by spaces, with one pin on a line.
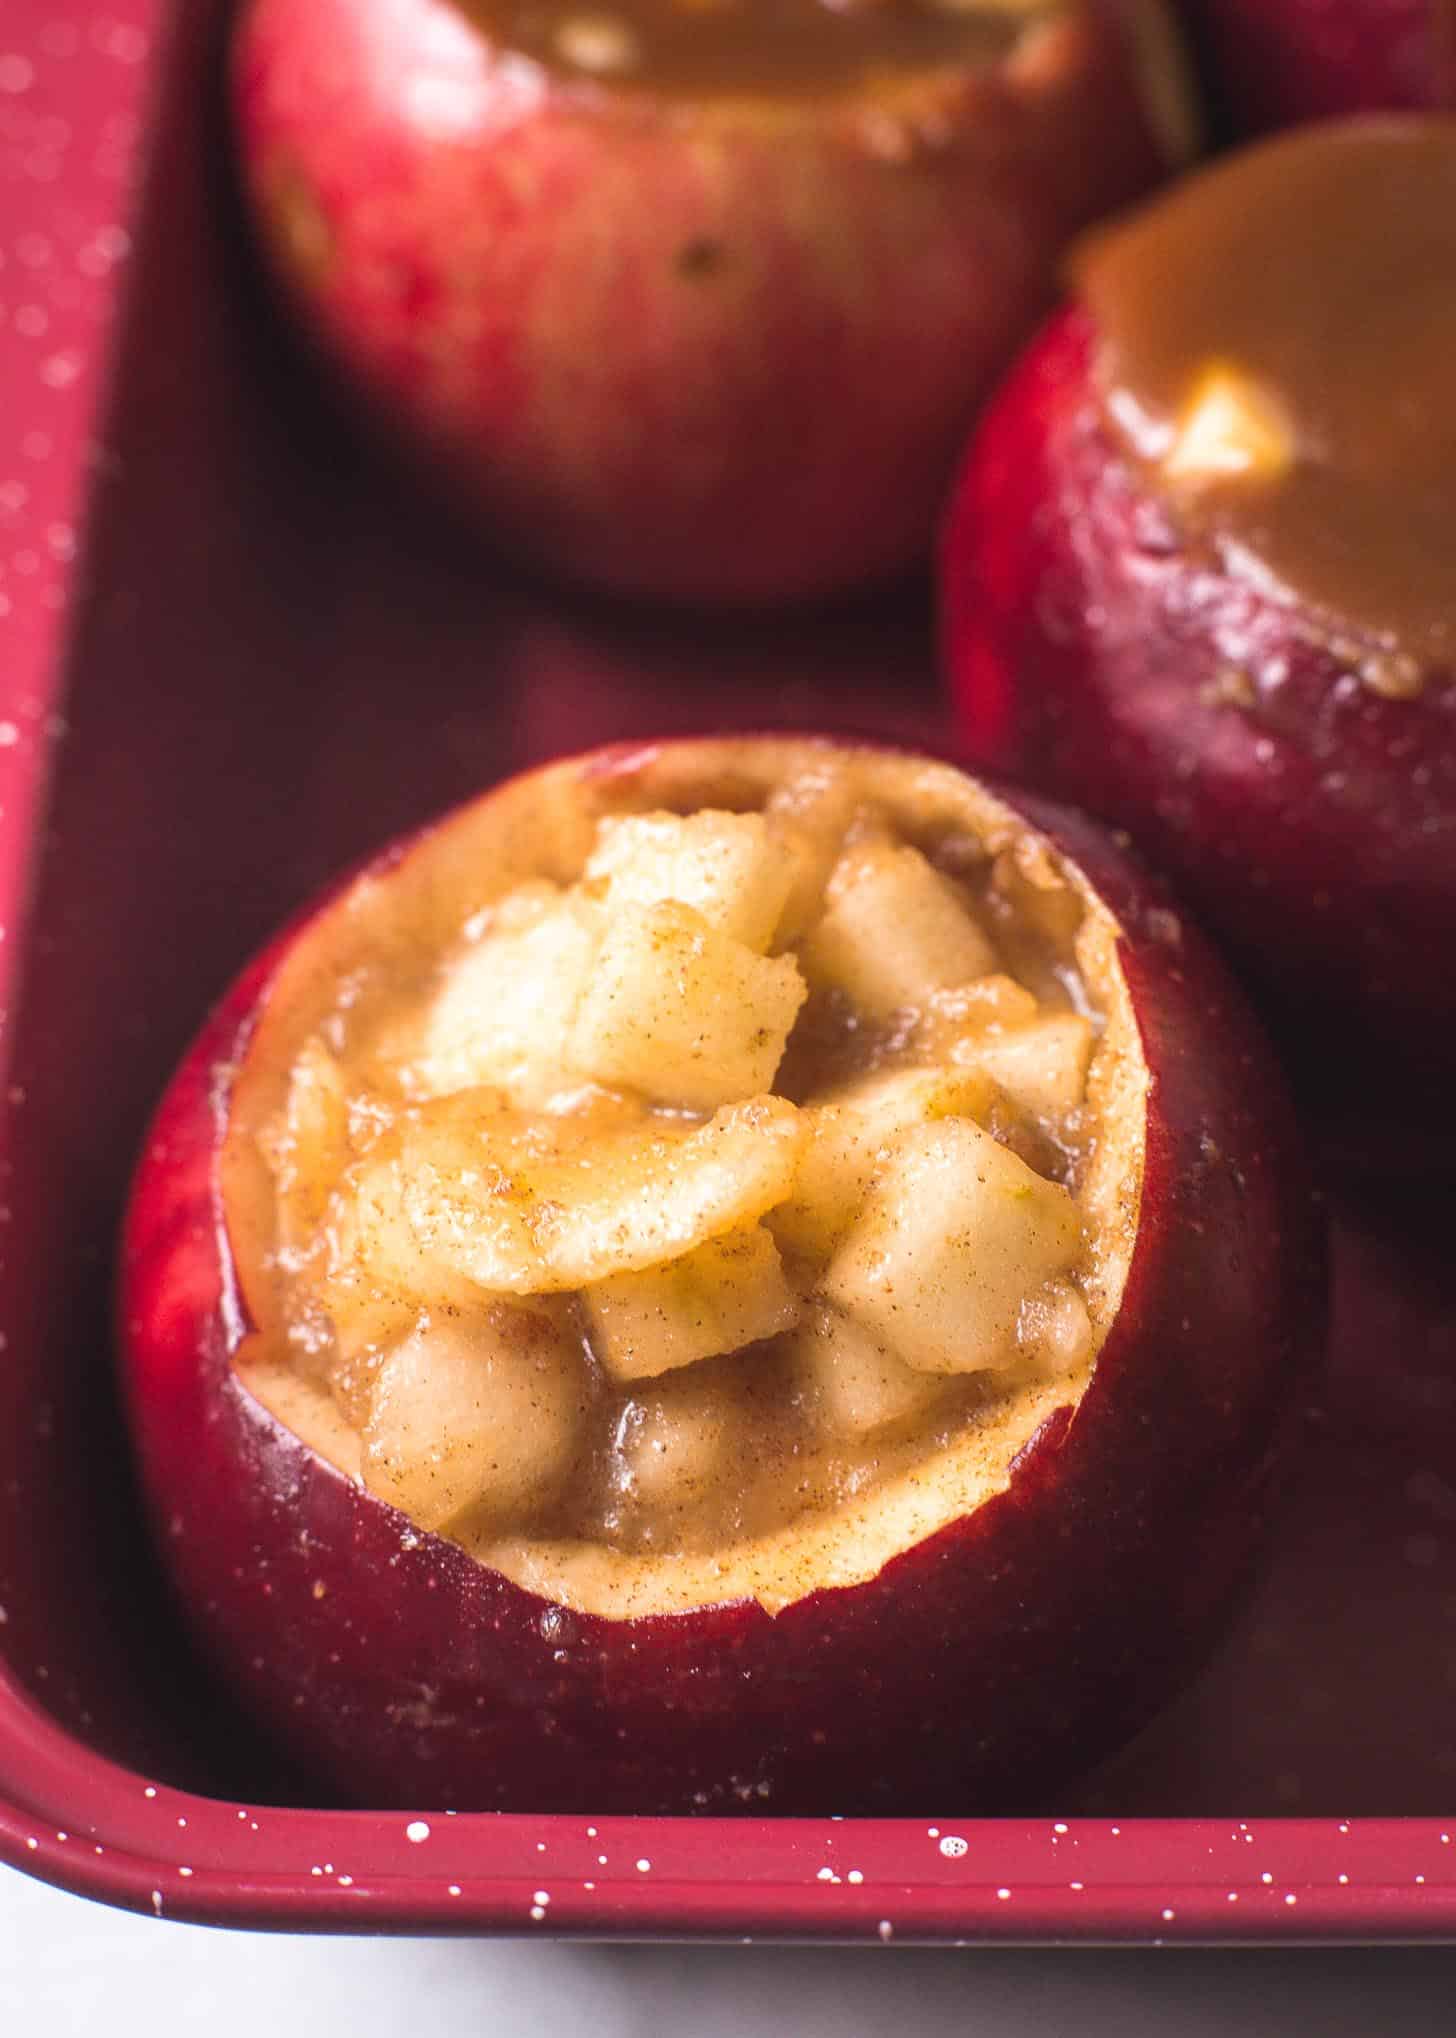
pixel 966 1665
pixel 1108 637
pixel 1277 62
pixel 695 333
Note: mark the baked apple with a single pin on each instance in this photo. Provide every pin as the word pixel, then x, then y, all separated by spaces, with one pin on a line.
pixel 748 1272
pixel 1276 62
pixel 693 298
pixel 1199 577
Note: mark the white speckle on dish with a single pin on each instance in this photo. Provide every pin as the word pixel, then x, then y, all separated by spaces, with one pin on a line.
pixel 63 1836
pixel 953 1846
pixel 932 1832
pixel 184 1871
pixel 1060 1826
pixel 537 1913
pixel 32 1842
pixel 644 1866
pixel 1168 1916
pixel 417 1830
pixel 1291 1898
pixel 1003 1895
pixel 453 1889
pixel 540 1846
pixel 826 1875
pixel 1344 1827
pixel 1116 1832
pixel 856 1875
pixel 1420 1878
pixel 1076 1885
pixel 346 1882
pixel 157 1902
pixel 541 1896
pixel 1233 1896
pixel 59 371
pixel 316 1870
pixel 591 1832
pixel 601 1861
pixel 1342 1878
pixel 182 1822
pixel 1266 1876
pixel 109 245
pixel 151 1789
pixel 588 1885
pixel 886 1930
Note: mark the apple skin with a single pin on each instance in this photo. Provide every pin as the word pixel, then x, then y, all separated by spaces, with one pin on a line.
pixel 722 352
pixel 1277 62
pixel 982 1665
pixel 1310 821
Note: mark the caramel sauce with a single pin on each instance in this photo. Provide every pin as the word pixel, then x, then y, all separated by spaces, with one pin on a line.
pixel 705 48
pixel 1319 271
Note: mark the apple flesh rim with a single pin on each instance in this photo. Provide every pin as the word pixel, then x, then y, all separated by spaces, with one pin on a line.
pixel 715 349
pixel 981 1664
pixel 1273 63
pixel 1311 825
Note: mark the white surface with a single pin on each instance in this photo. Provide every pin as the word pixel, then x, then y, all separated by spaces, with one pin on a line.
pixel 72 1967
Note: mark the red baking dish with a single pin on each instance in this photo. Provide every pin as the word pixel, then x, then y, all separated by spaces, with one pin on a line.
pixel 209 592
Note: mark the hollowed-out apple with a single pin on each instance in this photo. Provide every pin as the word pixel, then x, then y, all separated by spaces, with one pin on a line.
pixel 692 301
pixel 742 1273
pixel 1198 576
pixel 1277 62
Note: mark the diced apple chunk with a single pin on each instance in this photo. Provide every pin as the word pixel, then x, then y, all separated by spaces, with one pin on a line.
pixel 1233 427
pixel 849 1381
pixel 991 1004
pixel 676 1444
pixel 1056 1330
pixel 683 1014
pixel 726 1294
pixel 502 1014
pixel 849 1131
pixel 483 1414
pixel 1041 1067
pixel 516 1221
pixel 307 1146
pixel 807 821
pixel 894 932
pixel 722 865
pixel 956 1234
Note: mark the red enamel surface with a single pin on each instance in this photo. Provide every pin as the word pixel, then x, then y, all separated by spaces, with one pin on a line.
pixel 1313 823
pixel 244 572
pixel 701 356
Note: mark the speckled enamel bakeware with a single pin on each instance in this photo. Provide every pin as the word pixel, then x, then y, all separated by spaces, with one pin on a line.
pixel 209 591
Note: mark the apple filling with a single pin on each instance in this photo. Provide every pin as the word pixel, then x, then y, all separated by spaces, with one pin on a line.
pixel 751 1145
pixel 708 47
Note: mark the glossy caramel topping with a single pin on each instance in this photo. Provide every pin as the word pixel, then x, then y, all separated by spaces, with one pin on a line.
pixel 1278 342
pixel 710 47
